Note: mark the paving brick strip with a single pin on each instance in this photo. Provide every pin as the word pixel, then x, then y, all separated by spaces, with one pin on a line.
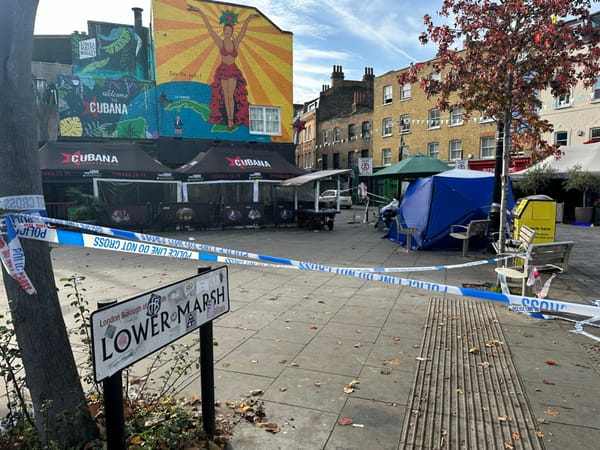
pixel 467 393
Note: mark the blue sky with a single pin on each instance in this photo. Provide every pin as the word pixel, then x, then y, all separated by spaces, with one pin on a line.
pixel 382 34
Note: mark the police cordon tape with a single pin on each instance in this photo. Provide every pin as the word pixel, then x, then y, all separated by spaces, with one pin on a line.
pixel 32 221
pixel 34 227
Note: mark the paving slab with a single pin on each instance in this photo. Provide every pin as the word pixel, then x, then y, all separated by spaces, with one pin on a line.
pixel 326 354
pixel 261 357
pixel 375 425
pixel 300 428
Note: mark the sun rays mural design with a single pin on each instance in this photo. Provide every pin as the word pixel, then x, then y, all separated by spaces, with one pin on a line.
pixel 210 53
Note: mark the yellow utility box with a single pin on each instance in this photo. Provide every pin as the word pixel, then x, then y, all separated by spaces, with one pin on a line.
pixel 537 212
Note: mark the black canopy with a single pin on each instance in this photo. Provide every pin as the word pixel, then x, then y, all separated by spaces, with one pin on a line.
pixel 64 161
pixel 236 164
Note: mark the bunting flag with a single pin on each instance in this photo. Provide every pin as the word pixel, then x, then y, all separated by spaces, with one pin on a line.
pixel 298 125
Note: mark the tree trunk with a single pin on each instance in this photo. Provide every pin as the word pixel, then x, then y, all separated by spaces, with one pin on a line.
pixel 51 374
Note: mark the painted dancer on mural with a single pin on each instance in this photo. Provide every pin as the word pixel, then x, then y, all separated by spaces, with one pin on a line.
pixel 229 96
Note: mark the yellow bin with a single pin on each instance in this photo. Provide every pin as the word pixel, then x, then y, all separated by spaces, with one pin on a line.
pixel 539 213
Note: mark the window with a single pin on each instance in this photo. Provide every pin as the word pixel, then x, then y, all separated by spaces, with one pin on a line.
pixel 434 118
pixel 433 149
pixel 351 132
pixel 595 133
pixel 404 123
pixel 456 116
pixel 365 132
pixel 561 138
pixel 485 119
pixel 387 127
pixel 386 156
pixel 336 160
pixel 265 120
pixel 563 101
pixel 387 94
pixel 336 135
pixel 325 136
pixel 488 147
pixel 308 134
pixel 455 149
pixel 351 159
pixel 324 162
pixel 405 91
pixel 404 151
pixel 596 90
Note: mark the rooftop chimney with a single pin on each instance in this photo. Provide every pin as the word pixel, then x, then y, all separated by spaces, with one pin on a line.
pixel 337 76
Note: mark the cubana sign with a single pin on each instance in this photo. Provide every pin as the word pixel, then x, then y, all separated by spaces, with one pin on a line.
pixel 130 330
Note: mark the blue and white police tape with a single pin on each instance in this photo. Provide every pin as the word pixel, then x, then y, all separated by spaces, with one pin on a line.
pixel 519 303
pixel 25 222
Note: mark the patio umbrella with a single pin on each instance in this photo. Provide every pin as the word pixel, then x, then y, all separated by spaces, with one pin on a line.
pixel 414 167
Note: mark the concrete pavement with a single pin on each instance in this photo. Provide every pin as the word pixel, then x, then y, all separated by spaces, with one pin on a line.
pixel 409 368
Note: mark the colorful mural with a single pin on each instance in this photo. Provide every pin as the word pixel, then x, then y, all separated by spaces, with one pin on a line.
pixel 109 51
pixel 223 71
pixel 106 108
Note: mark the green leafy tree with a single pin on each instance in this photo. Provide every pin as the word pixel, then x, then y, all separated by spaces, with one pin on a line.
pixel 496 56
pixel 584 181
pixel 60 409
pixel 537 180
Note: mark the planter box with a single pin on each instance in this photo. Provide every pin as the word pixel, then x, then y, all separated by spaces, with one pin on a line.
pixel 584 214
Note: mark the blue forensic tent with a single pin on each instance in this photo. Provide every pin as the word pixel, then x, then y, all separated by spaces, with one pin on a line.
pixel 435 203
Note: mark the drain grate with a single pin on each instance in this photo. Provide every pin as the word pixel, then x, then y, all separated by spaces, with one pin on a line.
pixel 467 393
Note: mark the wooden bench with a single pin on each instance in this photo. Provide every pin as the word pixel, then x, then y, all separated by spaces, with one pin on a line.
pixel 477 227
pixel 545 256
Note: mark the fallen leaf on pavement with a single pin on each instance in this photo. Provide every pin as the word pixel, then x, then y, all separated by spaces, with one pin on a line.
pixel 317 383
pixel 516 436
pixel 540 420
pixel 349 388
pixel 385 371
pixel 422 358
pixel 509 446
pixel 539 434
pixel 392 362
pixel 485 364
pixel 473 350
pixel 551 412
pixel 313 327
pixel 256 392
pixel 344 421
pixel 504 419
pixel 271 427
pixel 253 361
pixel 548 382
pixel 551 362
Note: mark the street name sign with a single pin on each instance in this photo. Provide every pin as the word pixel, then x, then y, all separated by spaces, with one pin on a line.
pixel 127 331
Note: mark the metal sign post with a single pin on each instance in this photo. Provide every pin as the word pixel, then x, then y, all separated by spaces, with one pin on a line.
pixel 113 403
pixel 127 331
